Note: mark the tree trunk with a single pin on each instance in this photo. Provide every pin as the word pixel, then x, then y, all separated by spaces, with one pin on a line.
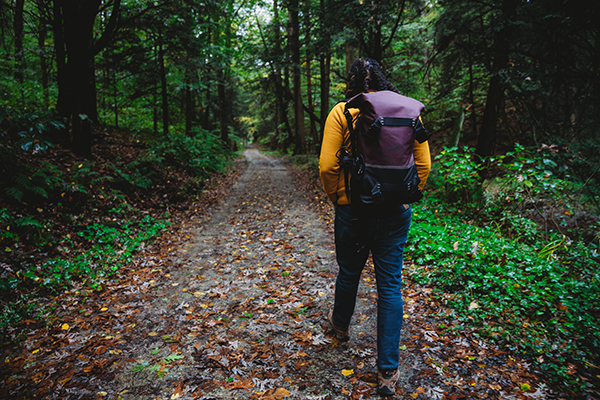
pixel 473 113
pixel 309 91
pixel 63 103
pixel 282 111
pixel 324 67
pixel 351 55
pixel 75 52
pixel 78 20
pixel 377 46
pixel 115 96
pixel 494 100
pixel 155 108
pixel 223 114
pixel 189 106
pixel 163 90
pixel 18 26
pixel 297 78
pixel 42 33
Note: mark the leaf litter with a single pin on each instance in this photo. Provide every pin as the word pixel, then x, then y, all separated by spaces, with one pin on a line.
pixel 231 304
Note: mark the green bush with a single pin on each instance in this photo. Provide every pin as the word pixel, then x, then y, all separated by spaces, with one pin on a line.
pixel 15 228
pixel 202 154
pixel 542 301
pixel 460 174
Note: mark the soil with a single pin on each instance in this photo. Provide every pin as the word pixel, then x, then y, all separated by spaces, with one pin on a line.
pixel 231 305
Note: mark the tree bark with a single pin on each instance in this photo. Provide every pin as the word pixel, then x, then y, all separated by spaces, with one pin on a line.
pixel 282 117
pixel 297 78
pixel 75 49
pixel 494 99
pixel 78 20
pixel 163 90
pixel 223 128
pixel 42 33
pixel 324 67
pixel 309 84
pixel 18 26
pixel 189 106
pixel 351 55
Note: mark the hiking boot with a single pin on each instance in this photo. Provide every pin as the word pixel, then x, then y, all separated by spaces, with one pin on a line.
pixel 340 333
pixel 386 381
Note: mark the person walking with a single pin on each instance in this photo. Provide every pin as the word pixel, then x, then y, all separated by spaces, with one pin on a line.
pixel 382 231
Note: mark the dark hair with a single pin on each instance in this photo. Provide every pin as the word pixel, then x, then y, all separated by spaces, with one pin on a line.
pixel 364 75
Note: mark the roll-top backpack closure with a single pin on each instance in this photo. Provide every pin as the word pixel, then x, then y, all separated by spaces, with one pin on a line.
pixel 382 143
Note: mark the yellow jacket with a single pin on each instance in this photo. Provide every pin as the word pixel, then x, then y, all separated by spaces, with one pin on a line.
pixel 335 136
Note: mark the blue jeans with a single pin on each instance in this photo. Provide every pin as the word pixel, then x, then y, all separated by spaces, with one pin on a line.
pixel 383 233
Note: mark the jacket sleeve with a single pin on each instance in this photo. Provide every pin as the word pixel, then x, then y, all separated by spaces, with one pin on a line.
pixel 334 138
pixel 422 161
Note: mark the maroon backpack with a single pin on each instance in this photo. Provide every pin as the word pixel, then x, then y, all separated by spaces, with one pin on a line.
pixel 381 157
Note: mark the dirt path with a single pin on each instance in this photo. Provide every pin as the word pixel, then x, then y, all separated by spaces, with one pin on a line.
pixel 234 310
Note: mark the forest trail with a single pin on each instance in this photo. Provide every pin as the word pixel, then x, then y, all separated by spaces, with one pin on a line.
pixel 234 309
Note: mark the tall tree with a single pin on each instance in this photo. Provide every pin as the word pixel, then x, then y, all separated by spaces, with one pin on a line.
pixel 294 43
pixel 73 29
pixel 18 25
pixel 494 101
pixel 368 20
pixel 324 61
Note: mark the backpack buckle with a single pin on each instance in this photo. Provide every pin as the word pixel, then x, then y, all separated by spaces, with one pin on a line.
pixel 376 193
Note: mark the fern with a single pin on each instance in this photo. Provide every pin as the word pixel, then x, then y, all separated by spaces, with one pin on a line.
pixel 15 192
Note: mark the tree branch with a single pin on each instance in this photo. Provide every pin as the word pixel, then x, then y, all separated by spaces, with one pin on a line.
pixel 110 28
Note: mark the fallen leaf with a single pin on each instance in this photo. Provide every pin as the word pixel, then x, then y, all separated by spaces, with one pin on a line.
pixel 153 334
pixel 280 393
pixel 347 372
pixel 65 327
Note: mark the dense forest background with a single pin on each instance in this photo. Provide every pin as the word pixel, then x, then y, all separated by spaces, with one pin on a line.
pixel 114 113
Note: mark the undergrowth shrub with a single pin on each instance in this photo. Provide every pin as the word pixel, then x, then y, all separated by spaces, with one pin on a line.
pixel 27 133
pixel 202 153
pixel 15 228
pixel 460 175
pixel 542 301
pixel 133 175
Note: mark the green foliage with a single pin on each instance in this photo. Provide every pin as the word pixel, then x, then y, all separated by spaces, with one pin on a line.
pixel 27 131
pixel 542 301
pixel 13 229
pixel 532 176
pixel 83 176
pixel 135 174
pixel 100 250
pixel 202 154
pixel 33 182
pixel 459 173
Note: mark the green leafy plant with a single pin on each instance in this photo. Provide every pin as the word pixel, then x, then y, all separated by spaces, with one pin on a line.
pixel 13 228
pixel 459 173
pixel 102 250
pixel 34 181
pixel 202 153
pixel 132 175
pixel 541 301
